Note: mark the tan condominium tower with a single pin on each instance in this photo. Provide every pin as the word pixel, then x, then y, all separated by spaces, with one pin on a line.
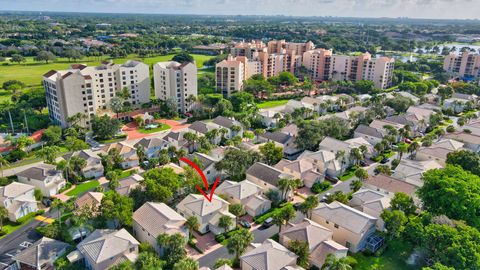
pixel 84 90
pixel 466 64
pixel 176 82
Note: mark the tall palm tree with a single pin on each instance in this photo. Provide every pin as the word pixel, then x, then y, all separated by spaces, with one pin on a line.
pixel 284 186
pixel 225 222
pixel 191 139
pixel 192 225
pixel 238 243
pixel 186 264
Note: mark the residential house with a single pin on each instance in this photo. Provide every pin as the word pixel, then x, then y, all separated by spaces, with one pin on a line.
pixel 372 203
pixel 153 219
pixel 207 213
pixel 89 199
pixel 103 249
pixel 438 154
pixel 350 227
pixel 270 117
pixel 412 97
pixel 342 149
pixel 246 193
pixel 470 141
pixel 94 168
pixel 152 146
pixel 389 186
pixel 324 161
pixel 371 135
pixel 126 185
pixel 41 255
pixel 412 171
pixel 286 141
pixel 293 105
pixel 207 165
pixel 455 104
pixel 129 154
pixel 269 255
pixel 229 124
pixel 290 129
pixel 45 177
pixel 18 199
pixel 176 139
pixel 302 169
pixel 266 176
pixel 318 238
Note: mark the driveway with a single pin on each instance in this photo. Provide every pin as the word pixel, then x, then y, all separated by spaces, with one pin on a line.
pixel 20 239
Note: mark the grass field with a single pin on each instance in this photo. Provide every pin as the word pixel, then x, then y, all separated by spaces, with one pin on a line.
pixel 81 188
pixel 394 258
pixel 31 72
pixel 272 103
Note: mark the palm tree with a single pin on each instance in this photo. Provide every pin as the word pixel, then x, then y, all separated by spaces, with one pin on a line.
pixel 192 225
pixel 238 243
pixel 186 264
pixel 302 250
pixel 258 132
pixel 3 216
pixel 310 203
pixel 412 149
pixel 225 222
pixel 3 162
pixel 334 263
pixel 141 153
pixel 191 139
pixel 355 185
pixel 284 186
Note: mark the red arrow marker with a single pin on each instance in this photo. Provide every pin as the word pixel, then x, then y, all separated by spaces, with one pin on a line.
pixel 205 182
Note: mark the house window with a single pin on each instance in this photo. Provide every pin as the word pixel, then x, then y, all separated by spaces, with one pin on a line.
pixel 336 226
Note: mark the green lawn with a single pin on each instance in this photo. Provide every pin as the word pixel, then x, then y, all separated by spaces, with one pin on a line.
pixel 9 227
pixel 394 258
pixel 153 130
pixel 261 218
pixel 272 103
pixel 349 173
pixel 81 188
pixel 127 173
pixel 31 72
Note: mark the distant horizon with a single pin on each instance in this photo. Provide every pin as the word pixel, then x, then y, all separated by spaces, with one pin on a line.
pixel 364 9
pixel 239 15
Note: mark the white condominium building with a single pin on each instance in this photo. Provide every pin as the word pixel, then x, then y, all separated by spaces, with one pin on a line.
pixel 464 65
pixel 177 82
pixel 318 63
pixel 88 90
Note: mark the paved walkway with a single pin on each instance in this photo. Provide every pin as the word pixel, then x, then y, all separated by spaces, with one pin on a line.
pixel 131 129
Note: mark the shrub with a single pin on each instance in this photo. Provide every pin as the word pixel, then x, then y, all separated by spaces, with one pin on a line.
pixel 219 238
pixel 450 129
pixel 319 187
pixel 395 163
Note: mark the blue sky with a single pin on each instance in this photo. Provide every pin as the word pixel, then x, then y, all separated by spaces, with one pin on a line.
pixel 442 9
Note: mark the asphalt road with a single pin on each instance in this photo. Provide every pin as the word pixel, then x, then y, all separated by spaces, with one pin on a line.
pixel 20 239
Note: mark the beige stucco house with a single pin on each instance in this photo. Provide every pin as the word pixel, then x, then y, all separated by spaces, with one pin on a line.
pixel 350 227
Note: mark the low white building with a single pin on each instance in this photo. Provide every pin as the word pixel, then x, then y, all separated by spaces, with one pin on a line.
pixel 18 199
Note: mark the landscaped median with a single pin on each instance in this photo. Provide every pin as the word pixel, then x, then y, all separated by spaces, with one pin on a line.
pixel 161 127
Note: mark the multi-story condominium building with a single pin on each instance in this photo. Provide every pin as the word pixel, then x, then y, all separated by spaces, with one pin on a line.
pixel 88 90
pixel 248 49
pixel 323 65
pixel 318 63
pixel 230 74
pixel 273 64
pixel 276 46
pixel 464 65
pixel 176 82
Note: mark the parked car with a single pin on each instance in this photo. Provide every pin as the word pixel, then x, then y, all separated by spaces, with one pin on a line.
pixel 245 224
pixel 331 179
pixel 325 197
pixel 384 160
pixel 363 163
pixel 268 222
pixel 407 140
pixel 297 205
